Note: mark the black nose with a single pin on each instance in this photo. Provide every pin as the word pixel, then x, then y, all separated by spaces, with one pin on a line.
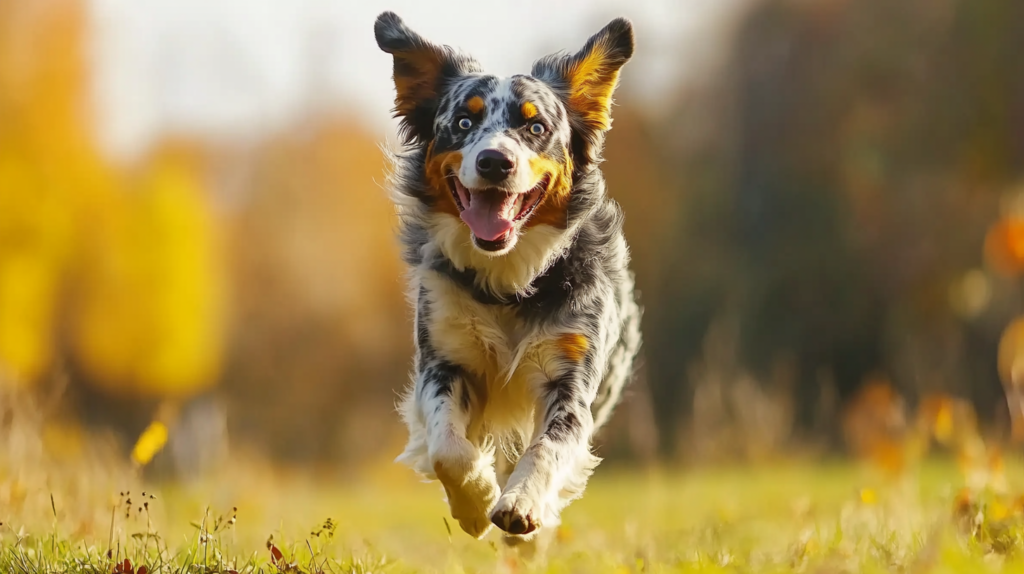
pixel 493 165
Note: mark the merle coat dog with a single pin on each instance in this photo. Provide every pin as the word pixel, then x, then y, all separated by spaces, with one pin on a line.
pixel 526 320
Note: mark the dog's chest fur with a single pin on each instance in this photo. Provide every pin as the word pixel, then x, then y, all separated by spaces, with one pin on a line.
pixel 492 341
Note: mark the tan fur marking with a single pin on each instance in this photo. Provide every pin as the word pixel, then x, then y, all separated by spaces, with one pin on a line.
pixel 475 104
pixel 573 346
pixel 529 110
pixel 592 84
pixel 437 169
pixel 555 203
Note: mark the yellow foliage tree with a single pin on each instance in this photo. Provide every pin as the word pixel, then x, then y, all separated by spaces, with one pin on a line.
pixel 148 312
pixel 43 152
pixel 133 263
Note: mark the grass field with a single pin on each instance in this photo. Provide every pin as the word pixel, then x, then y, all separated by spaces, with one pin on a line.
pixel 783 518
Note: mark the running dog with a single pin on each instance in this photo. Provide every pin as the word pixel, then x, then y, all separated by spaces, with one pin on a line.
pixel 526 322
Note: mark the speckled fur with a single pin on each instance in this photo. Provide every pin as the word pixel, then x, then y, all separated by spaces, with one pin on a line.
pixel 521 355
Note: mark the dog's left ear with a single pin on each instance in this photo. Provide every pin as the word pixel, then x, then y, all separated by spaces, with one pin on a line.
pixel 421 69
pixel 586 82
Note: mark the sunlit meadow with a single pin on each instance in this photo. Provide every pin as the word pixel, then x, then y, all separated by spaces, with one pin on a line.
pixel 90 512
pixel 202 338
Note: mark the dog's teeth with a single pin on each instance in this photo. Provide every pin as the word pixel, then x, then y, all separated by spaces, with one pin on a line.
pixel 519 203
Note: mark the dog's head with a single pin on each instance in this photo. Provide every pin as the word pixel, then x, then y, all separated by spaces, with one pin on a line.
pixel 501 153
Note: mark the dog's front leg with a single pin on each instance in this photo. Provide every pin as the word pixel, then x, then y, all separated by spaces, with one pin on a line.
pixel 555 468
pixel 438 414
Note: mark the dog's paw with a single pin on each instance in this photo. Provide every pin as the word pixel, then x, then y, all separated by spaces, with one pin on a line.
pixel 470 495
pixel 515 514
pixel 469 499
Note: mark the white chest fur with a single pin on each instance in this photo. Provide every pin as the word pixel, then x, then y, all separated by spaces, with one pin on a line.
pixel 488 340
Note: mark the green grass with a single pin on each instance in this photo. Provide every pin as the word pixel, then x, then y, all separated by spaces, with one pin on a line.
pixel 791 518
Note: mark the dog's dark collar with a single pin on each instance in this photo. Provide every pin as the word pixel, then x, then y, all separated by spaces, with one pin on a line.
pixel 466 278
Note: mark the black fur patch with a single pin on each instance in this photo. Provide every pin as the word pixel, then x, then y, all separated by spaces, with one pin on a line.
pixel 410 50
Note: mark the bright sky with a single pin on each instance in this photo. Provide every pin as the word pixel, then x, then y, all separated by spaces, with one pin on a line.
pixel 239 68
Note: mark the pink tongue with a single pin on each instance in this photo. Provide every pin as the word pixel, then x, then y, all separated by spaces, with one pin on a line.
pixel 489 214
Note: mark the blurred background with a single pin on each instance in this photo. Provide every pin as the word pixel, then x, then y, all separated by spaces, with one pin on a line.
pixel 824 199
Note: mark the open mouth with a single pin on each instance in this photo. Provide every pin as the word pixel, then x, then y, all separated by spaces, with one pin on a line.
pixel 492 214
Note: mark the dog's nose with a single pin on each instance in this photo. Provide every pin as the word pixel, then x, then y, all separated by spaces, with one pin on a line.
pixel 494 166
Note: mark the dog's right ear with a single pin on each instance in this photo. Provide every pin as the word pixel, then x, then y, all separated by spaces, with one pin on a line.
pixel 421 69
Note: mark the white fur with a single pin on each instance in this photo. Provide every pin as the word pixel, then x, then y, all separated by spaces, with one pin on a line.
pixel 508 272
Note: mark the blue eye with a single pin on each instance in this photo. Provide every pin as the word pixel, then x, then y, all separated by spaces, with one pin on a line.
pixel 465 123
pixel 537 128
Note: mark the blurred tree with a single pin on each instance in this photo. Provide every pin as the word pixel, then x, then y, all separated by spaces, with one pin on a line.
pixel 119 272
pixel 326 342
pixel 148 314
pixel 44 151
pixel 863 148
